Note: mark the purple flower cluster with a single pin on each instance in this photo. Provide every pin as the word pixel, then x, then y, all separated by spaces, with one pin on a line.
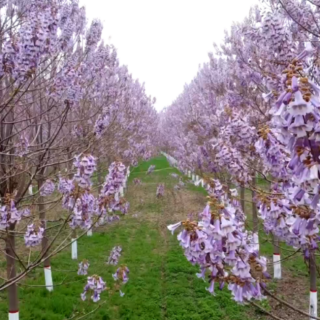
pixel 9 213
pixel 114 256
pixel 33 235
pixel 121 277
pixel 83 267
pixel 109 200
pixel 35 40
pixel 121 274
pixel 291 149
pixel 272 152
pixel 221 246
pixel 76 193
pixel 96 285
pixel 47 188
pixel 85 169
pixel 288 214
pixel 230 158
pixel 101 124
pixel 147 155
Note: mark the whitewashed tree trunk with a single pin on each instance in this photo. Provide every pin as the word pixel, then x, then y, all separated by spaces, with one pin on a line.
pixel 89 233
pixel 14 315
pixel 74 249
pixel 276 258
pixel 313 308
pixel 48 278
pixel 276 266
pixel 313 305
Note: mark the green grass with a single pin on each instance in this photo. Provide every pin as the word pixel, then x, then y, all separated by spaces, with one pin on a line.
pixel 162 283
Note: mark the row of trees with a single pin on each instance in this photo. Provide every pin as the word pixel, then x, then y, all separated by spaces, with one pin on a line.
pixel 253 110
pixel 68 110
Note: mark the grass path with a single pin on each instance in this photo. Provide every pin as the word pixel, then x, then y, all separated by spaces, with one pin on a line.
pixel 162 284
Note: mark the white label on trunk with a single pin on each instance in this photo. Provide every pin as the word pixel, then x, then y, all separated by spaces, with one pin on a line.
pixel 121 192
pixel 193 177
pixel 14 315
pixel 74 249
pixel 189 174
pixel 277 266
pixel 89 233
pixel 48 278
pixel 30 190
pixel 313 307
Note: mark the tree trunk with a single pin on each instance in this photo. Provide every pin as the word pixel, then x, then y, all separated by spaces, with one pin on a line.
pixel 242 196
pixel 69 165
pixel 99 175
pixel 254 208
pixel 313 306
pixel 276 258
pixel 45 241
pixel 255 220
pixel 42 217
pixel 74 245
pixel 11 271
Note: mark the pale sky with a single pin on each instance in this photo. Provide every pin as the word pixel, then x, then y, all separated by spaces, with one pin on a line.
pixel 163 41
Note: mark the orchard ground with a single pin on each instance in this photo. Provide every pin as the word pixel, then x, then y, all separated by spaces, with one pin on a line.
pixel 162 283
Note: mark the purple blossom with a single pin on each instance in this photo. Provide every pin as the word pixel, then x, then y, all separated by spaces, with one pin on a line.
pixel 96 285
pixel 47 188
pixel 114 256
pixel 121 274
pixel 33 235
pixel 85 169
pixel 9 213
pixel 219 242
pixel 109 199
pixel 83 267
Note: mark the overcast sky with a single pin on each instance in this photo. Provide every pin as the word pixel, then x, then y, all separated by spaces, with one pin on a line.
pixel 163 41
